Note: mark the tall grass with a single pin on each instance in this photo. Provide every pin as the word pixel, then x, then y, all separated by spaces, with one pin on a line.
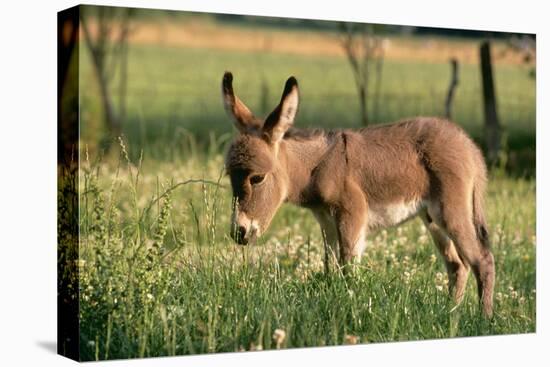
pixel 159 276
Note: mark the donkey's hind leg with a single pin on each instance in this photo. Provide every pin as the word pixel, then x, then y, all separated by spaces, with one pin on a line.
pixel 456 269
pixel 457 217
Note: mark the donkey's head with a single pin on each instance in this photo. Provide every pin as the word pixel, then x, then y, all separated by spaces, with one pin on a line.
pixel 259 178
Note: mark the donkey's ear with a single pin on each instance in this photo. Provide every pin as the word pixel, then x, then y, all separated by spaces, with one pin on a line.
pixel 282 118
pixel 244 119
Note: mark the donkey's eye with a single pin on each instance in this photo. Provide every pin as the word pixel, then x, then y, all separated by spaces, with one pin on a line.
pixel 256 179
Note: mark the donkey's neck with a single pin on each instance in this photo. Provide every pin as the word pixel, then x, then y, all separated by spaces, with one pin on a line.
pixel 301 156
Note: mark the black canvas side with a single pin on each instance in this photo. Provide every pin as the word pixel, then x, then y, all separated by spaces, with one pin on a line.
pixel 67 184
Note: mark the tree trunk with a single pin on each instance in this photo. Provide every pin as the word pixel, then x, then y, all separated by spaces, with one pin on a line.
pixel 98 62
pixel 108 112
pixel 98 52
pixel 363 106
pixel 492 125
pixel 377 88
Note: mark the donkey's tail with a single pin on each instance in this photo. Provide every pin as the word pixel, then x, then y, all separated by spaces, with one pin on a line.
pixel 478 194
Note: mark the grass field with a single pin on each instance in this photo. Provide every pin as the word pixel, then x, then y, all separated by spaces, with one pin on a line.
pixel 158 273
pixel 162 277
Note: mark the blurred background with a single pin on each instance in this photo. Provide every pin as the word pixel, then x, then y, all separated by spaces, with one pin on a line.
pixel 154 77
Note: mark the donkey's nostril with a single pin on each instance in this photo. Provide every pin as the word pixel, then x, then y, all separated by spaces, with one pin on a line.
pixel 241 232
pixel 238 234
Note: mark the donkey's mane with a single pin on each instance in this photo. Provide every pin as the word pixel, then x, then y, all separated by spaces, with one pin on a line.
pixel 295 133
pixel 307 133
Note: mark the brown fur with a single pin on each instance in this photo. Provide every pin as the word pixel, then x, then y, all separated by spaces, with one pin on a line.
pixel 356 181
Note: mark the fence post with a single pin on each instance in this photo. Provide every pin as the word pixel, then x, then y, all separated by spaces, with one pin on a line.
pixel 492 129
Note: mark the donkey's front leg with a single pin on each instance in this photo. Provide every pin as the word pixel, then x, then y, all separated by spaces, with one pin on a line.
pixel 351 219
pixel 329 233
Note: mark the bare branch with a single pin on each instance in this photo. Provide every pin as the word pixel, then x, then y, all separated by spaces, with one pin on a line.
pixel 452 87
pixel 364 52
pixel 108 47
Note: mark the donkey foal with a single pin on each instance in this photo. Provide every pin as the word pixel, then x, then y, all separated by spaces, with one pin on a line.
pixel 358 181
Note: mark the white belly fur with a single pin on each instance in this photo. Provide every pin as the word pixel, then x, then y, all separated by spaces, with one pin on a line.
pixel 393 214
